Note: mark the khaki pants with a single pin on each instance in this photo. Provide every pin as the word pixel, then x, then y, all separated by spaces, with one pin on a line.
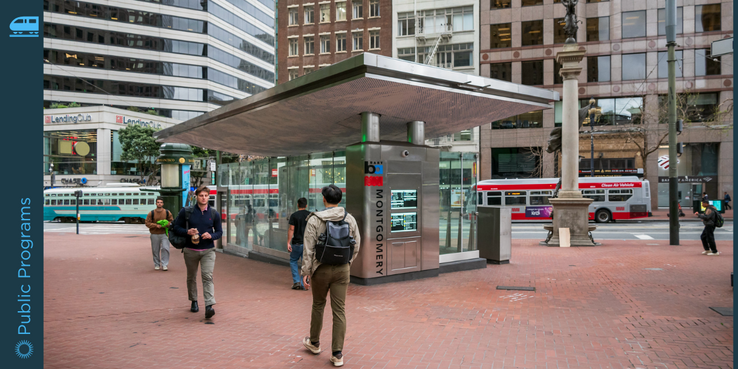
pixel 333 278
pixel 206 260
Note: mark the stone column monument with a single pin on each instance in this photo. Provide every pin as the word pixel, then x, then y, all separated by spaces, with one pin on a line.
pixel 570 209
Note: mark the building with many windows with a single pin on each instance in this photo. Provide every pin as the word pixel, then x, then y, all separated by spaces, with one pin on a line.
pixel 625 70
pixel 315 34
pixel 179 58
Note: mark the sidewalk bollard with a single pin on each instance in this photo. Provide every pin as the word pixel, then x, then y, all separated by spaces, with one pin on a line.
pixel 460 233
pixel 448 228
pixel 472 233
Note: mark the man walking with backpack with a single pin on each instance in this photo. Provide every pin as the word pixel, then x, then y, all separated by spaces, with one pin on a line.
pixel 159 240
pixel 298 222
pixel 331 242
pixel 200 225
pixel 710 219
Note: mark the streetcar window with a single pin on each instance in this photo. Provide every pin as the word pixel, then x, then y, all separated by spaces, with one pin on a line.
pixel 480 199
pixel 539 200
pixel 129 194
pixel 128 201
pixel 53 202
pixel 135 201
pixel 114 202
pixel 595 195
pixel 515 197
pixel 48 202
pixel 74 202
pixel 106 202
pixel 87 194
pixel 494 198
pixel 86 202
pixel 152 201
pixel 619 195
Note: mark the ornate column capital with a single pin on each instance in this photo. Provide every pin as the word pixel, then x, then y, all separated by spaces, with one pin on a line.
pixel 569 58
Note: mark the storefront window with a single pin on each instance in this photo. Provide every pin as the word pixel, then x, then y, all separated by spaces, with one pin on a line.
pixel 532 119
pixel 514 162
pixel 626 110
pixel 72 152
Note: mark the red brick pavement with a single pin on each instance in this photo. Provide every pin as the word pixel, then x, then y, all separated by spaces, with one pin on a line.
pixel 106 307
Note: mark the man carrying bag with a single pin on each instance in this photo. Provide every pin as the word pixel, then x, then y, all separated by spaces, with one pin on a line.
pixel 331 243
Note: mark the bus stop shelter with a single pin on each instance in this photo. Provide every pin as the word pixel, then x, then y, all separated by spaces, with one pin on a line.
pixel 376 112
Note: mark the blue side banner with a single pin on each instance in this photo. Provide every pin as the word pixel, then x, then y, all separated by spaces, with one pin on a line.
pixel 22 289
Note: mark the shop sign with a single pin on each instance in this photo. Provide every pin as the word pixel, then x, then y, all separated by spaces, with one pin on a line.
pixel 122 119
pixel 74 181
pixel 79 118
pixel 688 179
pixel 132 180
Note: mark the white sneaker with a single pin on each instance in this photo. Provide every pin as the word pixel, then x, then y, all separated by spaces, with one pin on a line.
pixel 164 268
pixel 714 253
pixel 705 252
pixel 156 267
pixel 309 345
pixel 337 360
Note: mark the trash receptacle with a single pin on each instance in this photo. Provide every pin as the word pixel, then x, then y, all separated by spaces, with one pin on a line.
pixel 494 234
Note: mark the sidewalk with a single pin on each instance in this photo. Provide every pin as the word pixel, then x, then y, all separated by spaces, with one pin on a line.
pixel 106 307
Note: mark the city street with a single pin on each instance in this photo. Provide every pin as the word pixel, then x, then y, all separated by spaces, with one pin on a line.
pixel 645 230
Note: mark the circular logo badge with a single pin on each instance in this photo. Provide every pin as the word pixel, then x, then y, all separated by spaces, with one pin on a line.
pixel 24 349
pixel 181 160
pixel 82 148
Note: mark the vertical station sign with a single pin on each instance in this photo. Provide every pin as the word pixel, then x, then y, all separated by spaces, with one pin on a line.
pixel 378 204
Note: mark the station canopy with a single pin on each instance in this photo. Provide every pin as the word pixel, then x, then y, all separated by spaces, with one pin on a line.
pixel 321 111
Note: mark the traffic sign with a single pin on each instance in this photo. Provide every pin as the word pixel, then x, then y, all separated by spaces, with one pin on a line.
pixel 722 47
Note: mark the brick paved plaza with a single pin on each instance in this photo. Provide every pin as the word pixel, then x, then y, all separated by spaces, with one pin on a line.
pixel 106 307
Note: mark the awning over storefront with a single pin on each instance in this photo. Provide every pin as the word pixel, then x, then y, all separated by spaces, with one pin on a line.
pixel 321 111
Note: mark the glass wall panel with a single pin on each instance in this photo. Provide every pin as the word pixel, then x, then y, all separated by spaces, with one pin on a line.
pixel 457 202
pixel 634 24
pixel 500 35
pixel 532 33
pixel 598 29
pixel 704 65
pixel 707 18
pixel 636 69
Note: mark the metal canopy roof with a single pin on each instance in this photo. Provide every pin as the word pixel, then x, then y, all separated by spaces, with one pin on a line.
pixel 321 111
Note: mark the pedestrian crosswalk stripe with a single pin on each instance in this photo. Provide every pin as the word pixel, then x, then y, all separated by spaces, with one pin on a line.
pixel 643 236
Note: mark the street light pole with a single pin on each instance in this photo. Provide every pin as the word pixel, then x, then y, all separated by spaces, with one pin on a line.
pixel 52 175
pixel 673 185
pixel 591 137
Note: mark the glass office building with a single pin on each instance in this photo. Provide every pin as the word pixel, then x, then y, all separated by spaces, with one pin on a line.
pixel 176 58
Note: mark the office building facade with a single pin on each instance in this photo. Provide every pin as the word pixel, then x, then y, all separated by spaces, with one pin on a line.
pixel 177 58
pixel 625 70
pixel 315 34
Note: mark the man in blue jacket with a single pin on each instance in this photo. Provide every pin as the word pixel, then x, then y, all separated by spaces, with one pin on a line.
pixel 204 227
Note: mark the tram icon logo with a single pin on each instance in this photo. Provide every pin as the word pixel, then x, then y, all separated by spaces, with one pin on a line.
pixel 373 167
pixel 24 27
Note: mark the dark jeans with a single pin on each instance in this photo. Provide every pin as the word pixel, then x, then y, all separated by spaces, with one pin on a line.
pixel 727 205
pixel 708 239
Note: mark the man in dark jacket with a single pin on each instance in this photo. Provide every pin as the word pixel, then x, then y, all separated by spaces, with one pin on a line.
pixel 708 235
pixel 204 228
pixel 727 201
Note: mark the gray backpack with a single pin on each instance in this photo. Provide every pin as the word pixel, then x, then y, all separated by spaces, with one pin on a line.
pixel 336 245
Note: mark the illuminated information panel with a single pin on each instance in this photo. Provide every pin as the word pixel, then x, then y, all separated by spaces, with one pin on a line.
pixel 404 199
pixel 404 222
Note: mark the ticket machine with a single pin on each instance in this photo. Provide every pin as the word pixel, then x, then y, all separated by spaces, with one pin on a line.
pixel 393 192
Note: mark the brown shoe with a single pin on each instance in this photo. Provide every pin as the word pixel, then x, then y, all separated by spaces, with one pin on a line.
pixel 315 349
